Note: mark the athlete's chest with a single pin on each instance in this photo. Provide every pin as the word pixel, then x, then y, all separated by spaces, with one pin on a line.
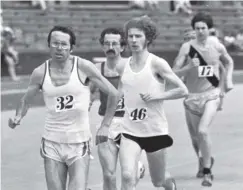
pixel 209 53
pixel 60 78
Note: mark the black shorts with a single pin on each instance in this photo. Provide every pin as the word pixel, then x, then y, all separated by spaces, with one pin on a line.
pixel 151 144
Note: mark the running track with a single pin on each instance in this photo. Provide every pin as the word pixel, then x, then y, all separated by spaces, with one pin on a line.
pixel 22 167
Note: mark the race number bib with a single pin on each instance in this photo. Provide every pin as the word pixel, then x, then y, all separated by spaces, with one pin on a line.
pixel 138 114
pixel 120 105
pixel 205 71
pixel 64 103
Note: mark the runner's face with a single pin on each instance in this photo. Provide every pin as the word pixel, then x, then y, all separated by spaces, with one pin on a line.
pixel 202 30
pixel 60 46
pixel 136 39
pixel 112 46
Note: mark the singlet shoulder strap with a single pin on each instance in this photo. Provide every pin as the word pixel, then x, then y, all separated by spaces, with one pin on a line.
pixel 103 68
pixel 46 64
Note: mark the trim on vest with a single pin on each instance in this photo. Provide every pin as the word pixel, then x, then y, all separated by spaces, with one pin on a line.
pixel 103 72
pixel 45 63
pixel 86 82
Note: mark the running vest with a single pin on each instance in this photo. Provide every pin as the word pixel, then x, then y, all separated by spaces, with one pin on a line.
pixel 103 97
pixel 206 76
pixel 142 119
pixel 67 119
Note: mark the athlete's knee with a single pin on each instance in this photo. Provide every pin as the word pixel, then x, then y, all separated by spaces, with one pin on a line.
pixel 195 138
pixel 109 176
pixel 159 183
pixel 203 132
pixel 163 182
pixel 129 177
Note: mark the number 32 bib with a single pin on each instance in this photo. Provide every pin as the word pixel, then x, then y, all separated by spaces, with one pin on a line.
pixel 64 103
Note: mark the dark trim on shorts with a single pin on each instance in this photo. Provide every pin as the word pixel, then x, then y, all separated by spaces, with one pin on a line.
pixel 117 139
pixel 151 144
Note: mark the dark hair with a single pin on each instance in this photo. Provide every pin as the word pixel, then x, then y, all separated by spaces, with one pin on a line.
pixel 114 30
pixel 144 23
pixel 64 29
pixel 202 17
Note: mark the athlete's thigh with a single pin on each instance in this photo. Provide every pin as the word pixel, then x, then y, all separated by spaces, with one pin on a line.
pixel 78 173
pixel 157 165
pixel 108 154
pixel 192 122
pixel 209 113
pixel 129 154
pixel 9 60
pixel 56 174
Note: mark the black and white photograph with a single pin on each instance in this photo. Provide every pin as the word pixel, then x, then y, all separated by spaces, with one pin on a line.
pixel 121 95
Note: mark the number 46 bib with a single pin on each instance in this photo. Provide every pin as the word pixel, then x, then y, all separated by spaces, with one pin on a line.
pixel 138 114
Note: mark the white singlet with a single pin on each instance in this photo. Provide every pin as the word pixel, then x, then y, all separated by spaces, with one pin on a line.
pixel 142 119
pixel 67 119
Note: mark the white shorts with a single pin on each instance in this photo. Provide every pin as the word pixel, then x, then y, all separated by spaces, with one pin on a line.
pixel 64 152
pixel 195 102
pixel 115 128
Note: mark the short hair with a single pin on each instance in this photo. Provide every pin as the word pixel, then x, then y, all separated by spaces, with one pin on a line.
pixel 202 17
pixel 64 29
pixel 146 24
pixel 113 30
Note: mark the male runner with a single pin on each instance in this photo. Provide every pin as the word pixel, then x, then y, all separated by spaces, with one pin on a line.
pixel 144 123
pixel 113 44
pixel 207 81
pixel 64 81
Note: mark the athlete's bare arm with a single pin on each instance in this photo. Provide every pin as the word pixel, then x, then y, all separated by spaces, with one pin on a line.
pixel 179 68
pixel 229 65
pixel 34 87
pixel 222 78
pixel 96 77
pixel 163 69
pixel 102 134
pixel 94 88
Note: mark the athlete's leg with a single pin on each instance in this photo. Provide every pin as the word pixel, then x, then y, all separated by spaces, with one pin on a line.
pixel 203 129
pixel 157 167
pixel 11 67
pixel 108 154
pixel 192 121
pixel 56 174
pixel 78 173
pixel 129 155
pixel 140 171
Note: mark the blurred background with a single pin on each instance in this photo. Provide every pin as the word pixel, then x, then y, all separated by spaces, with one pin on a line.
pixel 25 26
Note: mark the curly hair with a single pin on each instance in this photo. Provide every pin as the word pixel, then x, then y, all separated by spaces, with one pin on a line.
pixel 202 17
pixel 146 24
pixel 63 29
pixel 113 30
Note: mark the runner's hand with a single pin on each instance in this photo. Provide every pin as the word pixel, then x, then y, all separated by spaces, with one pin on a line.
pixel 12 123
pixel 102 134
pixel 195 61
pixel 229 85
pixel 149 97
